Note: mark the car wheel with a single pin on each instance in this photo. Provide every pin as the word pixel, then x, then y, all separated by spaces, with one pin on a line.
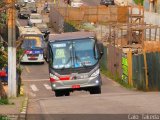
pixel 41 63
pixel 95 90
pixel 67 93
pixel 59 93
pixel 19 16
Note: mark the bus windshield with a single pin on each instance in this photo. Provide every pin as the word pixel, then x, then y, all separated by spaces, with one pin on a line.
pixel 32 42
pixel 74 53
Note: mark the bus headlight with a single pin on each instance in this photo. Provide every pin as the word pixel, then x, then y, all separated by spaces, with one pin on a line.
pixel 96 73
pixel 54 85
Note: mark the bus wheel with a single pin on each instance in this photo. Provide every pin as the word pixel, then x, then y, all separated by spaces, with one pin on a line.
pixel 59 93
pixel 67 93
pixel 95 90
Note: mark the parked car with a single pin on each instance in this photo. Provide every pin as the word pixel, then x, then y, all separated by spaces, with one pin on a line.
pixel 107 2
pixel 26 1
pixel 32 7
pixel 19 4
pixel 23 13
pixel 34 19
pixel 43 28
pixel 76 3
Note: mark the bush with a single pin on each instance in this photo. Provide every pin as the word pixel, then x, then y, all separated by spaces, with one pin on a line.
pixel 4 101
pixel 139 1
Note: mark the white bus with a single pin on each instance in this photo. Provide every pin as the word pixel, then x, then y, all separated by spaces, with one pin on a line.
pixel 33 44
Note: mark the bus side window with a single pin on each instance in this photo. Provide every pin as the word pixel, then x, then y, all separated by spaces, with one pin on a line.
pixel 50 56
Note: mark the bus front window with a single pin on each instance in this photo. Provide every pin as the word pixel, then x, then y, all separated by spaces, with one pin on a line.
pixel 32 42
pixel 84 53
pixel 74 53
pixel 62 55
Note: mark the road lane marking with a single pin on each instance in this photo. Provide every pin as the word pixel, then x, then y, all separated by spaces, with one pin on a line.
pixel 27 69
pixel 34 80
pixel 48 87
pixel 32 94
pixel 34 88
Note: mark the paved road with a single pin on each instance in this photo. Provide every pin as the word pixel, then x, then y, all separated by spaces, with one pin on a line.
pixel 43 105
pixel 113 100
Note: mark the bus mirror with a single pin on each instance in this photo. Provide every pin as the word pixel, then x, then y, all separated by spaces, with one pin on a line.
pixel 46 59
pixel 100 49
pixel 48 32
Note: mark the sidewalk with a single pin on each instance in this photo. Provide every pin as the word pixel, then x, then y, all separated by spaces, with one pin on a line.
pixel 15 109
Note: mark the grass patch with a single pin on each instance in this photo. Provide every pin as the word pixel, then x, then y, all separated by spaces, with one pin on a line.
pixel 115 78
pixel 4 101
pixel 4 117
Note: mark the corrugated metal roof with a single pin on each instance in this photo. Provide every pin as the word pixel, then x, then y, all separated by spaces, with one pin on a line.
pixel 70 35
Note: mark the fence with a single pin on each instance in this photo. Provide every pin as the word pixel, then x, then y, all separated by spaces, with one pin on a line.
pixel 103 60
pixel 120 64
pixel 153 68
pixel 97 14
pixel 114 56
pixel 138 72
pixel 56 19
pixel 112 60
pixel 153 63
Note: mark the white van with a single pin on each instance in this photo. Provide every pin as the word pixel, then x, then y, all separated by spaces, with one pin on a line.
pixel 35 18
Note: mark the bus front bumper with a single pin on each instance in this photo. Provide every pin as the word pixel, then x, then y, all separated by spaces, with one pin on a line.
pixel 83 84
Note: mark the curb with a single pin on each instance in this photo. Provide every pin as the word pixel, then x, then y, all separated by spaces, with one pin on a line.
pixel 23 112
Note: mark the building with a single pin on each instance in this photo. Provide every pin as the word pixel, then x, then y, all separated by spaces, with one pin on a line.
pixel 152 5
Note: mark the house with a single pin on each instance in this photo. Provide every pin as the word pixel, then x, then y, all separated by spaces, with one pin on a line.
pixel 152 5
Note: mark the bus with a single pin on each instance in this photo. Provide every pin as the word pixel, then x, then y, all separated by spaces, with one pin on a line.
pixel 33 44
pixel 73 60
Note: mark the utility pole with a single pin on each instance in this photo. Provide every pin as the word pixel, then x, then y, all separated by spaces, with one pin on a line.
pixel 12 84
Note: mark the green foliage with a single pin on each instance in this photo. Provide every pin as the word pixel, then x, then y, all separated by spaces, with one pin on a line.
pixel 139 2
pixel 3 59
pixel 70 26
pixel 3 15
pixel 4 117
pixel 4 101
pixel 3 18
pixel 115 77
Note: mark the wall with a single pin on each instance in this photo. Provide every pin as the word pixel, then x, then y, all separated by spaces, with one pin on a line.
pixel 114 56
pixel 94 13
pixel 56 19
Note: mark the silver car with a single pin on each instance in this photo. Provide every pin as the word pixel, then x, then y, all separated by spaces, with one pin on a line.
pixel 34 19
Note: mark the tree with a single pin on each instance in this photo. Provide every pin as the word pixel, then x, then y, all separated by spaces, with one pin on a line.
pixel 139 2
pixel 4 44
